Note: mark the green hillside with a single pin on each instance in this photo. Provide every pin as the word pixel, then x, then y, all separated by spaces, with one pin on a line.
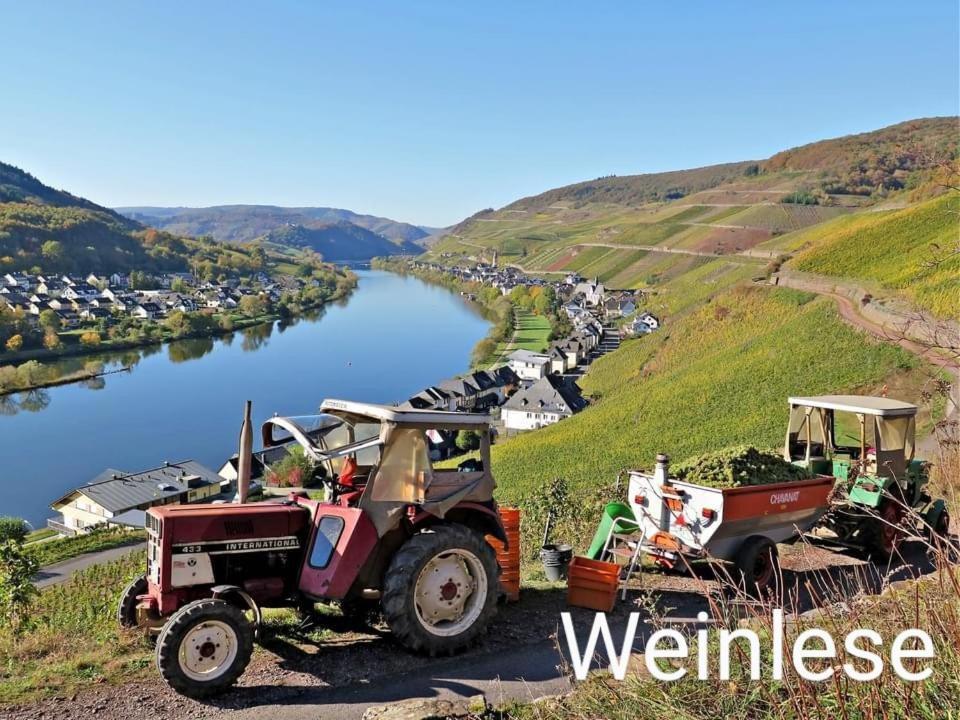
pixel 51 230
pixel 907 251
pixel 606 227
pixel 719 376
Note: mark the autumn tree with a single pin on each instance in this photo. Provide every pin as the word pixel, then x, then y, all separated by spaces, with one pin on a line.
pixel 91 338
pixel 51 341
pixel 14 343
pixel 52 251
pixel 253 305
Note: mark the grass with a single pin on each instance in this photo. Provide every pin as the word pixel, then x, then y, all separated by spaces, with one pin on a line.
pixel 931 604
pixel 717 377
pixel 533 331
pixel 54 551
pixel 73 639
pixel 908 251
pixel 38 535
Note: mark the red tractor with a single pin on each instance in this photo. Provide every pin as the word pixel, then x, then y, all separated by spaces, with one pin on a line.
pixel 392 529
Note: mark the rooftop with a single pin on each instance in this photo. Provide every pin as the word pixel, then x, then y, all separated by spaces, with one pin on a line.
pixel 116 491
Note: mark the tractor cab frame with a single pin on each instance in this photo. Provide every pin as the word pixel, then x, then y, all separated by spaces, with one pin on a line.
pixel 868 445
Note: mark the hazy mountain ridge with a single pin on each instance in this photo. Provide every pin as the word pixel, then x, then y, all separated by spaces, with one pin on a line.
pixel 339 241
pixel 241 223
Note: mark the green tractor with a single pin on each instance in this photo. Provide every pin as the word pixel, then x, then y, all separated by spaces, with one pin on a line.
pixel 867 444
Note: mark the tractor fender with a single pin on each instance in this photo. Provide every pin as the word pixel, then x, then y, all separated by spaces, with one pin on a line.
pixel 474 515
pixel 932 516
pixel 233 594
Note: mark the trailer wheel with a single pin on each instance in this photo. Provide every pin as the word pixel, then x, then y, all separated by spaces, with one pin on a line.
pixel 440 591
pixel 885 531
pixel 127 606
pixel 757 566
pixel 204 647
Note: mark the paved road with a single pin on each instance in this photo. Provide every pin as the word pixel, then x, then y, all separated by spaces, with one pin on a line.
pixel 530 672
pixel 61 571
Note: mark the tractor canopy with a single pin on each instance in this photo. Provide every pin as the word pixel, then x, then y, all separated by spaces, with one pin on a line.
pixel 831 433
pixel 387 452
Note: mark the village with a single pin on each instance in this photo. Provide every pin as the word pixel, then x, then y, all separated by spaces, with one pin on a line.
pixel 529 391
pixel 104 300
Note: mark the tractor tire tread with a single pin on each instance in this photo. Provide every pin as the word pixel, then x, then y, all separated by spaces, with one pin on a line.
pixel 127 605
pixel 168 646
pixel 746 563
pixel 401 578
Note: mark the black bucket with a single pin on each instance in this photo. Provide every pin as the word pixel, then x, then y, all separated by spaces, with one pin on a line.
pixel 556 560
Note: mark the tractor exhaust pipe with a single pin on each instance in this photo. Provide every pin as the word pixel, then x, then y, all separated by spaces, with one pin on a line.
pixel 661 477
pixel 245 455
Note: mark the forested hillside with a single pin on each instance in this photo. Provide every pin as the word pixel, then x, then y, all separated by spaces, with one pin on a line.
pixel 337 241
pixel 43 229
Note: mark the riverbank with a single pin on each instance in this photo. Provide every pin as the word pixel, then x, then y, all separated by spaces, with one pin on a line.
pixel 28 370
pixel 512 327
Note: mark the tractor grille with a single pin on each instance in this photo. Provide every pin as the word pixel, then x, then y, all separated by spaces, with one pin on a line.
pixel 154 532
pixel 153 524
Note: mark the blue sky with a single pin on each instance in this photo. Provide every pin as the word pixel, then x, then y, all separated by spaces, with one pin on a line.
pixel 429 111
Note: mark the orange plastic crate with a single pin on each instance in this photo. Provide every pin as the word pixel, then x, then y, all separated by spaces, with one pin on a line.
pixel 508 556
pixel 592 584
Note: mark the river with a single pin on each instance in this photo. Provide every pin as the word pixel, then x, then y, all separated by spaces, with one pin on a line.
pixel 392 337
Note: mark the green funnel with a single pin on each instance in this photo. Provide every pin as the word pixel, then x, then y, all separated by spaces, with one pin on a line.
pixel 615 513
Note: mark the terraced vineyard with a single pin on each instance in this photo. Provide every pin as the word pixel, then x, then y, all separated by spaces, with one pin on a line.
pixel 908 251
pixel 784 217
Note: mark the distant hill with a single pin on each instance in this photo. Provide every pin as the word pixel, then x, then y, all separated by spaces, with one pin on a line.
pixel 241 223
pixel 56 231
pixel 339 241
pixel 637 189
pixel 615 227
pixel 891 158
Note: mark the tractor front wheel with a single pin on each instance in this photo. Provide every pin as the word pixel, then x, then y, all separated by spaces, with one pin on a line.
pixel 127 607
pixel 204 647
pixel 440 591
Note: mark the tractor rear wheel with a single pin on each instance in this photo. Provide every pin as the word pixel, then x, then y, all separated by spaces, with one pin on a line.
pixel 885 531
pixel 127 607
pixel 204 647
pixel 757 566
pixel 440 591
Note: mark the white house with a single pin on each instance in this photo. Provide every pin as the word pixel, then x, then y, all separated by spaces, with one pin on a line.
pixel 113 497
pixel 649 320
pixel 559 362
pixel 549 400
pixel 529 365
pixel 147 311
